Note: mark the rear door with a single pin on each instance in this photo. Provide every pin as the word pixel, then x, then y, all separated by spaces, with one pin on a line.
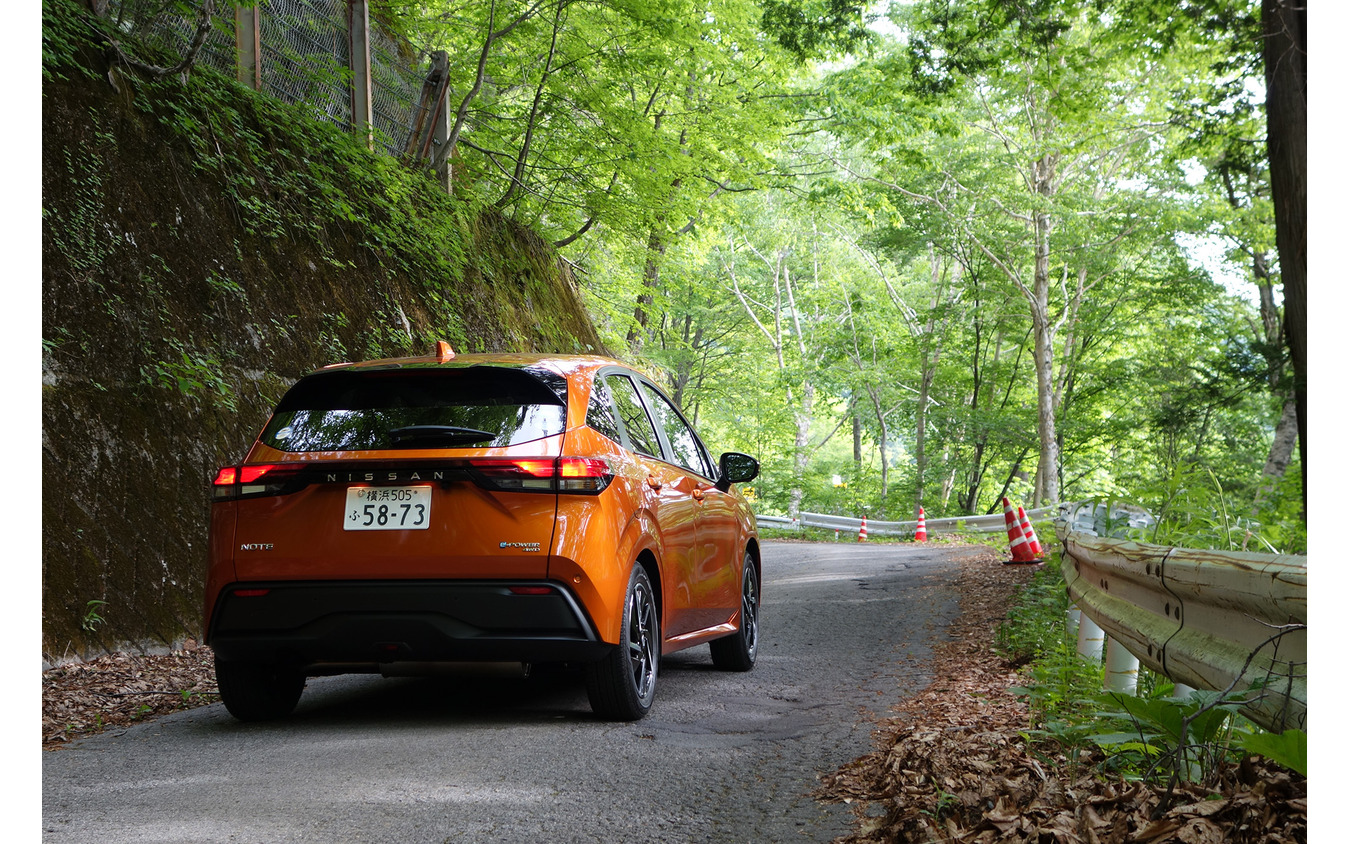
pixel 409 473
pixel 668 501
pixel 712 564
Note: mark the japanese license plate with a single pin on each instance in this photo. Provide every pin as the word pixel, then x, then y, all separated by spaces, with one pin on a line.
pixel 387 508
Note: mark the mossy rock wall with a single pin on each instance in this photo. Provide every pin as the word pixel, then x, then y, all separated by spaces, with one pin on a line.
pixel 188 278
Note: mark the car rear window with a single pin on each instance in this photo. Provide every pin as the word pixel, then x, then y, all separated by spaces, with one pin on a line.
pixel 476 407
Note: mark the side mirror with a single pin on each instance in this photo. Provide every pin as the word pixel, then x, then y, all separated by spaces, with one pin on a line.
pixel 735 468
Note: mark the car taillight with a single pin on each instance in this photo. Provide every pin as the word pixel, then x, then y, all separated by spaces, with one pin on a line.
pixel 586 475
pixel 233 482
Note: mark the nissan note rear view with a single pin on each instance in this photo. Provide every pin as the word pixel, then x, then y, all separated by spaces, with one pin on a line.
pixel 397 515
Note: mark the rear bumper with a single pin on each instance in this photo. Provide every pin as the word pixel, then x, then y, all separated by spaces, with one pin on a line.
pixel 335 627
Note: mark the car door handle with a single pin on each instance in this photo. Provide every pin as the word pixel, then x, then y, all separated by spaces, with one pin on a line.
pixel 653 482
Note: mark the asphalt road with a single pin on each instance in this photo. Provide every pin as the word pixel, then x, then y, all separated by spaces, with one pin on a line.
pixel 723 757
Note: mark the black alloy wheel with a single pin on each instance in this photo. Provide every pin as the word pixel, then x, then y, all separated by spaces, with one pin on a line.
pixel 622 685
pixel 737 651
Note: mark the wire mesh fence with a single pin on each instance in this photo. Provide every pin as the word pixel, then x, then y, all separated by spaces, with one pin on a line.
pixel 167 27
pixel 305 57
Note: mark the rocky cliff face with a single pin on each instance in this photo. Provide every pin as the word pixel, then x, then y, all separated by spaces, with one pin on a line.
pixel 199 256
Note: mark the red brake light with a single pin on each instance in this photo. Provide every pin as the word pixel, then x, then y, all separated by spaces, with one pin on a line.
pixel 234 482
pixel 543 474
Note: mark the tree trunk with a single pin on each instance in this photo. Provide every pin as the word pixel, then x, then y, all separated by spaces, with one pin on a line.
pixel 1281 452
pixel 801 456
pixel 651 277
pixel 857 446
pixel 1285 25
pixel 1047 470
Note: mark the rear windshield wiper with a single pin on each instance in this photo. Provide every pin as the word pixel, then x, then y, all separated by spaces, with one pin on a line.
pixel 413 434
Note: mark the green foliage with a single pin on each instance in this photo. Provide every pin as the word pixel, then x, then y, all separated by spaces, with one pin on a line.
pixel 1289 748
pixel 293 176
pixel 1193 510
pixel 1162 738
pixel 92 620
pixel 193 372
pixel 819 27
pixel 1061 693
pixel 1036 624
pixel 66 31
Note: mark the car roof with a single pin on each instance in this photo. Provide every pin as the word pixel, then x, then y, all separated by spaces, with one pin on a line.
pixel 563 364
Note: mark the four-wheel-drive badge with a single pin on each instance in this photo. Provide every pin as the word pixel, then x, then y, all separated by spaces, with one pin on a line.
pixel 523 546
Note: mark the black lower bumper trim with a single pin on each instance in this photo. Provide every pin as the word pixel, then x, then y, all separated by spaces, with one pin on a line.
pixel 382 622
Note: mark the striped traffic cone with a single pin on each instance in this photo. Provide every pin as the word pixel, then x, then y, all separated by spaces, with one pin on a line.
pixel 921 532
pixel 862 530
pixel 1017 541
pixel 1030 533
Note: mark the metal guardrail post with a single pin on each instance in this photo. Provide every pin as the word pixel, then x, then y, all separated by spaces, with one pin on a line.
pixel 1091 639
pixel 1122 669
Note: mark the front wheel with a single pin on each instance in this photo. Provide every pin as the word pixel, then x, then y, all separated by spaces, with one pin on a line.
pixel 737 651
pixel 255 691
pixel 622 685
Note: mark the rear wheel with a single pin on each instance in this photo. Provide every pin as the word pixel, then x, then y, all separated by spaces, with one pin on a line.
pixel 737 651
pixel 622 685
pixel 254 691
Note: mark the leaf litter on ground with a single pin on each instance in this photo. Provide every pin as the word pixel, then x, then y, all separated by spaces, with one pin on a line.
pixel 954 762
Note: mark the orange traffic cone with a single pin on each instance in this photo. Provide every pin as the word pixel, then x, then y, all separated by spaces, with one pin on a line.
pixel 862 530
pixel 1017 541
pixel 1030 533
pixel 921 532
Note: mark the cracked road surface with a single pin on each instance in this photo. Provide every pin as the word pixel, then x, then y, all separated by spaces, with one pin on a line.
pixel 723 757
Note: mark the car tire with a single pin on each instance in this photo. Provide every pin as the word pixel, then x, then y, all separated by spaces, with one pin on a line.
pixel 622 685
pixel 254 691
pixel 737 652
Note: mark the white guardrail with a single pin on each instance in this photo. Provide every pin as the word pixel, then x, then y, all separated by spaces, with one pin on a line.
pixel 957 524
pixel 1213 620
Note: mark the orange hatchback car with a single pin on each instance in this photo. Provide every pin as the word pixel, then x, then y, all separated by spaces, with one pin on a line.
pixel 398 516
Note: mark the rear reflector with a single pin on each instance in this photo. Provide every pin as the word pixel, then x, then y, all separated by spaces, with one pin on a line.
pixel 250 593
pixel 531 590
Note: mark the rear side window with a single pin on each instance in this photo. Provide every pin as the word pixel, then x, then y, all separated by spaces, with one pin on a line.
pixel 478 406
pixel 600 414
pixel 641 434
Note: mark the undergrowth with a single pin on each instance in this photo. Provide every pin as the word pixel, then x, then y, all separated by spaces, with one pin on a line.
pixel 1153 735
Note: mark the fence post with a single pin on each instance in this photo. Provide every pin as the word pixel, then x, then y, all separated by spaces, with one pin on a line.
pixel 358 25
pixel 445 176
pixel 1122 669
pixel 248 46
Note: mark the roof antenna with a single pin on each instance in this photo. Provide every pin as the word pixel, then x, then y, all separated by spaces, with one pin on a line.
pixel 443 351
